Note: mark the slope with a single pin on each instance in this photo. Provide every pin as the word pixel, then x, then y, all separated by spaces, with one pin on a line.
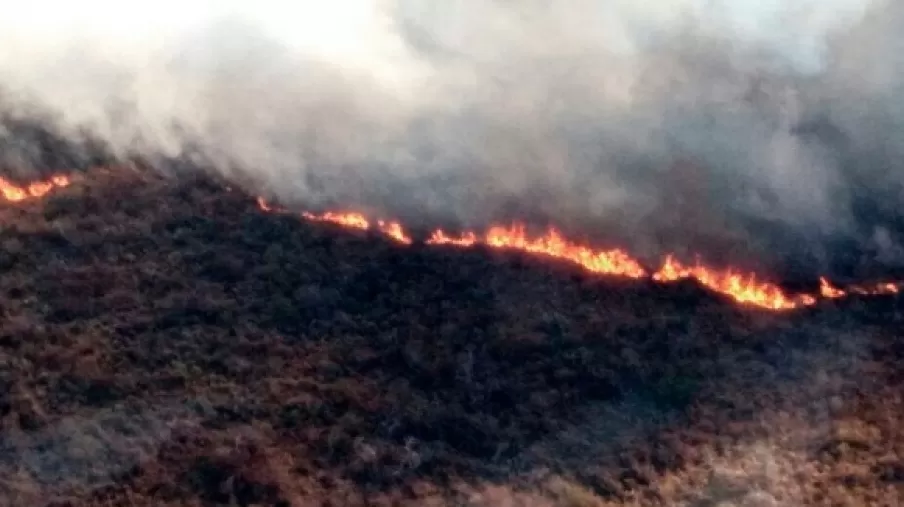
pixel 165 342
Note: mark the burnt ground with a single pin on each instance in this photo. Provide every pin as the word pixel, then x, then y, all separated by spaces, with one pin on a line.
pixel 167 343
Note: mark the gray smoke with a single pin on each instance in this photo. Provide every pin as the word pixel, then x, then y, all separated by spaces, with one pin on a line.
pixel 698 127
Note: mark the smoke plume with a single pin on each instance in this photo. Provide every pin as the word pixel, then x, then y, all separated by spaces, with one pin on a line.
pixel 749 133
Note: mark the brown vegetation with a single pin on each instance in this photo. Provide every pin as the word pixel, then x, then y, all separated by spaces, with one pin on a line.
pixel 167 343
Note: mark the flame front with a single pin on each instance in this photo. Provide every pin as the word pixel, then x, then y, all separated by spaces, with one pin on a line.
pixel 15 193
pixel 828 291
pixel 439 237
pixel 552 244
pixel 395 231
pixel 263 204
pixel 351 220
pixel 744 288
pixel 741 287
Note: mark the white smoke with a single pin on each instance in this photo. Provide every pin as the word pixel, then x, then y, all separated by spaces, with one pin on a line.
pixel 573 110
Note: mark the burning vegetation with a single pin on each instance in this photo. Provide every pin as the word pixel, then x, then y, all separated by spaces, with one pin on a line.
pixel 735 340
pixel 744 288
pixel 167 343
pixel 16 193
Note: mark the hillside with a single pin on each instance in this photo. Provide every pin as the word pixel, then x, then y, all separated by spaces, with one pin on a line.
pixel 166 342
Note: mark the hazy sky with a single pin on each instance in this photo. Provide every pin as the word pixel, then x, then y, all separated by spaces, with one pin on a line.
pixel 358 31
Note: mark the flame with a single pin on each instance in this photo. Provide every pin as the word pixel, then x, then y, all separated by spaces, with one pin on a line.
pixel 886 288
pixel 743 288
pixel 15 193
pixel 440 238
pixel 552 244
pixel 828 291
pixel 877 289
pixel 351 219
pixel 395 231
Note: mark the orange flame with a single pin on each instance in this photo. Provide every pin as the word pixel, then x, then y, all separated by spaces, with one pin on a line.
pixel 885 288
pixel 743 288
pixel 828 291
pixel 351 220
pixel 552 244
pixel 440 238
pixel 15 193
pixel 395 231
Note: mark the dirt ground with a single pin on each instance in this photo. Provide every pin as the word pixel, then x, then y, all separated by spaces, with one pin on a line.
pixel 166 342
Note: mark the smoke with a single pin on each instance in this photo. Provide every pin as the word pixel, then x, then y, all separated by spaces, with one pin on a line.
pixel 740 131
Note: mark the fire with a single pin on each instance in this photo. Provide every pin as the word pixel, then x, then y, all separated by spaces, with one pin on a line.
pixel 876 290
pixel 351 220
pixel 741 287
pixel 395 231
pixel 440 238
pixel 552 244
pixel 828 291
pixel 886 288
pixel 15 193
pixel 744 288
